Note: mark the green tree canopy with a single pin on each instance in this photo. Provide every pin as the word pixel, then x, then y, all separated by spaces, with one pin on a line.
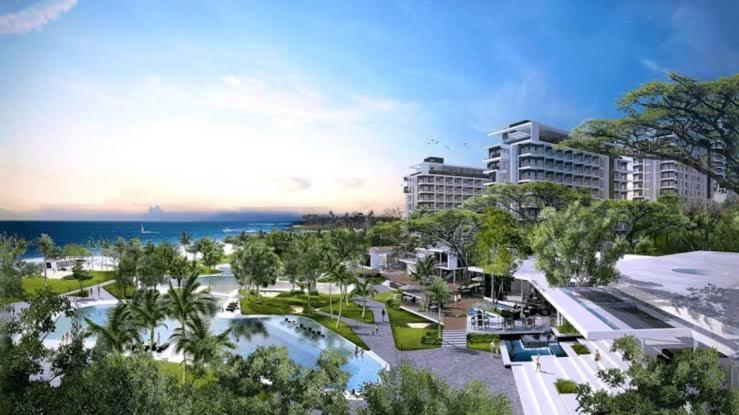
pixel 453 228
pixel 255 265
pixel 578 246
pixel 693 122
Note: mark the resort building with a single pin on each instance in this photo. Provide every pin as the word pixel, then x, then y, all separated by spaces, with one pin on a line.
pixel 445 260
pixel 381 258
pixel 654 177
pixel 669 303
pixel 434 185
pixel 527 153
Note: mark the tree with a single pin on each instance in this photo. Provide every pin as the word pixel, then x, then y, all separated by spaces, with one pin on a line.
pixel 79 274
pixel 12 268
pixel 185 241
pixel 211 251
pixel 455 229
pixel 311 262
pixel 256 264
pixel 48 249
pixel 693 122
pixel 194 339
pixel 120 331
pixel 343 277
pixel 180 268
pixel 500 246
pixel 438 293
pixel 149 310
pixel 643 219
pixel 404 389
pixel 187 303
pixel 578 246
pixel 525 201
pixel 691 383
pixel 364 289
pixel 424 270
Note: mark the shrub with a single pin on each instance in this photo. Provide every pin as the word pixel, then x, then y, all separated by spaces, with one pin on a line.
pixel 580 348
pixel 565 386
pixel 394 301
pixel 567 328
pixel 481 337
pixel 431 338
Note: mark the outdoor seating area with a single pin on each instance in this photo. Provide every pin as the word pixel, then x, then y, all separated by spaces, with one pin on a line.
pixel 232 306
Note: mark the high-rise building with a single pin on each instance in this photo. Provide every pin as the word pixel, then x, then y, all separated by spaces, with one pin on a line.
pixel 528 153
pixel 434 185
pixel 653 177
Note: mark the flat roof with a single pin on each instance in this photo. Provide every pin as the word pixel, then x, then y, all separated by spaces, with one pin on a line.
pixel 704 282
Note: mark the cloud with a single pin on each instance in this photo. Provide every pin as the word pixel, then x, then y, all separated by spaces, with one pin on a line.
pixel 653 66
pixel 34 16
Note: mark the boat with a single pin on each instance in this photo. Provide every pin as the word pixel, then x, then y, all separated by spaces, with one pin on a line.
pixel 145 231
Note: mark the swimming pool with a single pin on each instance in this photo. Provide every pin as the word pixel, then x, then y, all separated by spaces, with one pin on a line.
pixel 303 346
pixel 520 353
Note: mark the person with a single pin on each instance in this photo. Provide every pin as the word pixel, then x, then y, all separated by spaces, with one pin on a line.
pixel 597 356
pixel 383 314
pixel 377 330
pixel 98 291
pixel 538 363
pixel 492 347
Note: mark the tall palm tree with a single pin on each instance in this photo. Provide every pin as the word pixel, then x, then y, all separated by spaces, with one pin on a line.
pixel 194 339
pixel 332 277
pixel 364 289
pixel 343 278
pixel 150 310
pixel 185 240
pixel 438 292
pixel 120 331
pixel 187 303
pixel 48 249
pixel 424 270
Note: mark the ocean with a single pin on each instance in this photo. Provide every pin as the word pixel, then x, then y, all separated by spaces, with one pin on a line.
pixel 82 232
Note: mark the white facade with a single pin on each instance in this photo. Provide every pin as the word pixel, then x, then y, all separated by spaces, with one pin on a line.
pixel 653 177
pixel 446 261
pixel 434 185
pixel 528 153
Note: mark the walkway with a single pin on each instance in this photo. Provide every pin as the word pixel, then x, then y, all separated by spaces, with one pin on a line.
pixel 456 365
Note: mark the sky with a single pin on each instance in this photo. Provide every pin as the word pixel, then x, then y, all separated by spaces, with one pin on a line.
pixel 110 109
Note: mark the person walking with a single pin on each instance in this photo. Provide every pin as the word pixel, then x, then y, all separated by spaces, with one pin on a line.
pixel 597 356
pixel 538 363
pixel 383 314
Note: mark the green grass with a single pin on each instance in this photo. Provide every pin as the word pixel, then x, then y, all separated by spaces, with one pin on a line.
pixel 405 337
pixel 61 286
pixel 204 270
pixel 482 341
pixel 565 386
pixel 117 291
pixel 283 304
pixel 580 348
pixel 352 311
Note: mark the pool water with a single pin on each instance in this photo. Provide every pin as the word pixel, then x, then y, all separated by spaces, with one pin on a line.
pixel 303 346
pixel 519 353
pixel 224 284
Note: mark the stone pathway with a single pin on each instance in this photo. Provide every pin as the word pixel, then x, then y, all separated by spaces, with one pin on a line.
pixel 456 365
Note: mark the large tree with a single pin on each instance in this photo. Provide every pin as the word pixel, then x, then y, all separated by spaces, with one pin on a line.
pixel 693 122
pixel 691 383
pixel 12 268
pixel 578 246
pixel 526 200
pixel 438 293
pixel 455 229
pixel 501 246
pixel 120 331
pixel 256 265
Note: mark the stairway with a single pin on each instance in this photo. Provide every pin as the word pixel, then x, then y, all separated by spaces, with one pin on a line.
pixel 454 338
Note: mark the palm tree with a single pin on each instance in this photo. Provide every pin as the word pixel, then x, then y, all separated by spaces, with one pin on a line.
pixel 185 240
pixel 332 277
pixel 194 339
pixel 343 278
pixel 149 309
pixel 364 289
pixel 48 249
pixel 438 292
pixel 120 331
pixel 186 303
pixel 424 270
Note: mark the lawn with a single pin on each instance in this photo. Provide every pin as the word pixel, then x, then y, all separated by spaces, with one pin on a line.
pixel 283 304
pixel 61 286
pixel 406 338
pixel 482 341
pixel 204 270
pixel 117 291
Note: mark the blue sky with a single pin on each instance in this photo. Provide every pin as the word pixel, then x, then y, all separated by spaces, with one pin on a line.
pixel 198 105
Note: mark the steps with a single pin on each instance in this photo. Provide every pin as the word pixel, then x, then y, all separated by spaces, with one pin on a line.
pixel 536 390
pixel 454 338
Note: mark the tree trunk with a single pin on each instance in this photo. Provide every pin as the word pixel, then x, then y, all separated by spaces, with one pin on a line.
pixel 339 318
pixel 438 310
pixel 151 338
pixel 364 305
pixel 330 299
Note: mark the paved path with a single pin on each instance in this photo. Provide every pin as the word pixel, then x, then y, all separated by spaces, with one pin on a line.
pixel 456 365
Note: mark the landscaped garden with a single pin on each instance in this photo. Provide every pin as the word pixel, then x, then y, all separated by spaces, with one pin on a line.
pixel 481 341
pixel 407 337
pixel 60 286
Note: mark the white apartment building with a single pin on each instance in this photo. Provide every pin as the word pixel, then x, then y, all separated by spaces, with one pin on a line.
pixel 653 177
pixel 434 185
pixel 528 153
